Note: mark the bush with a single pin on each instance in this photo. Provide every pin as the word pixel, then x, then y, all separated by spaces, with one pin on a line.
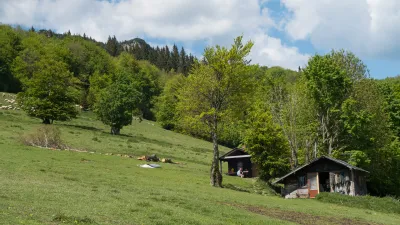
pixel 47 136
pixel 385 204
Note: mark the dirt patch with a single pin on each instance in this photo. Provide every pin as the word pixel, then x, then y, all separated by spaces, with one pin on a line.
pixel 299 217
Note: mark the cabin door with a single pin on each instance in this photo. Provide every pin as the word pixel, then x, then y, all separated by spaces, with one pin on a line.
pixel 312 180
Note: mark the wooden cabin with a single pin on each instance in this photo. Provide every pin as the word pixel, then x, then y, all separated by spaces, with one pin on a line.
pixel 324 174
pixel 238 158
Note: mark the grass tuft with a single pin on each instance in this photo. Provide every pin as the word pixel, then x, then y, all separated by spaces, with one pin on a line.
pixel 385 205
pixel 73 219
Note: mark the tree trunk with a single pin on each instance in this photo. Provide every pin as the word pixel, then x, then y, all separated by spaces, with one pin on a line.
pixel 315 150
pixel 115 130
pixel 46 121
pixel 215 175
pixel 294 158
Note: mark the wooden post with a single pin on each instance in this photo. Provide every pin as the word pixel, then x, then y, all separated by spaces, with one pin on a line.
pixel 220 166
pixel 318 182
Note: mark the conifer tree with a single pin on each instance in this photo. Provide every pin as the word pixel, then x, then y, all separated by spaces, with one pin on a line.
pixel 175 58
pixel 182 62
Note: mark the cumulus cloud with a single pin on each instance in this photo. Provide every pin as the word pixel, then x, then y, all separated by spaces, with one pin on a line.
pixel 178 19
pixel 271 51
pixel 367 27
pixel 209 21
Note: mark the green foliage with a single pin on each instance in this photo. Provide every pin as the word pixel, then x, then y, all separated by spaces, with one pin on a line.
pixel 390 88
pixel 112 46
pixel 116 103
pixel 146 78
pixel 166 103
pixel 218 87
pixel 98 82
pixel 330 81
pixel 10 45
pixel 385 205
pixel 215 90
pixel 385 170
pixel 48 94
pixel 266 144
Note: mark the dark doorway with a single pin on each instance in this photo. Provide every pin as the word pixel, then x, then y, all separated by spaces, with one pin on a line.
pixel 324 185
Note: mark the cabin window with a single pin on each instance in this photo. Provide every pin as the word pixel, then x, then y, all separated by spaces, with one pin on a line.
pixel 302 181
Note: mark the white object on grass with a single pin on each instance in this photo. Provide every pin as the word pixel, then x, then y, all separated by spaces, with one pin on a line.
pixel 150 166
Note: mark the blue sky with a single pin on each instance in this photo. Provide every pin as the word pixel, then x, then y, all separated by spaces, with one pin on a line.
pixel 286 32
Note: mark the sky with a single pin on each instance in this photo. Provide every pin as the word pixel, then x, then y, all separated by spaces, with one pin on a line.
pixel 285 32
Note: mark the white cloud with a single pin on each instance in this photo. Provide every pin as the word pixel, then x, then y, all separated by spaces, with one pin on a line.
pixel 367 27
pixel 178 19
pixel 271 51
pixel 188 22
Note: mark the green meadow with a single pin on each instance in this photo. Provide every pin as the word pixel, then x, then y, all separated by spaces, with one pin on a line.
pixel 44 186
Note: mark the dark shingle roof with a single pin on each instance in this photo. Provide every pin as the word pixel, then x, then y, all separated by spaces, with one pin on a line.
pixel 322 157
pixel 231 151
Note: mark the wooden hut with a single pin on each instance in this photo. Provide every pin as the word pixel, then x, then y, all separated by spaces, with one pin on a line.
pixel 238 158
pixel 324 174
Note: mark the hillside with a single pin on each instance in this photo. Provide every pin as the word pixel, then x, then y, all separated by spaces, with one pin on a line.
pixel 41 186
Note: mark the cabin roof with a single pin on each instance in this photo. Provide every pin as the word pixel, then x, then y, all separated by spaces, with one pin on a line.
pixel 234 154
pixel 316 160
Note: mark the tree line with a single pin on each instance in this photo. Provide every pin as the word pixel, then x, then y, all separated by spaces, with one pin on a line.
pixel 287 118
pixel 284 118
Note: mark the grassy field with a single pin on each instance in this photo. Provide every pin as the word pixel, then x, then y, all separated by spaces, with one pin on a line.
pixel 42 186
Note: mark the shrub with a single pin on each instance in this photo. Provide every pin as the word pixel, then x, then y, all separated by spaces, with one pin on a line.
pixel 47 136
pixel 385 204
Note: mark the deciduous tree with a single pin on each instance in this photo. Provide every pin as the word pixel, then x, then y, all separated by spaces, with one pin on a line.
pixel 215 89
pixel 49 93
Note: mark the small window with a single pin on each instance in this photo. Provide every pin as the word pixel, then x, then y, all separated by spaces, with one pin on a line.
pixel 302 181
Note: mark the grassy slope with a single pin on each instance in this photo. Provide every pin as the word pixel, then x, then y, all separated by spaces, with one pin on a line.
pixel 40 186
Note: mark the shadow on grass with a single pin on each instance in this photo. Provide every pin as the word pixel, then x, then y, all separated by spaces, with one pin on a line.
pixel 137 139
pixel 72 219
pixel 81 127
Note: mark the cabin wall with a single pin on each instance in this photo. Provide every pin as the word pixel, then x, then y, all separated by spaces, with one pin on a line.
pixel 235 164
pixel 360 183
pixel 341 182
pixel 290 188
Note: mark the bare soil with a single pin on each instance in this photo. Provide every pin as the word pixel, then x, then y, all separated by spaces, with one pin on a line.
pixel 299 217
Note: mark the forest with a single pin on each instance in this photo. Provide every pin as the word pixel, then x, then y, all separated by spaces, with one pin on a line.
pixel 284 118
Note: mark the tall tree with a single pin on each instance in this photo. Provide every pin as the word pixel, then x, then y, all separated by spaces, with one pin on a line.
pixel 175 58
pixel 216 89
pixel 266 143
pixel 117 102
pixel 330 80
pixel 182 62
pixel 10 45
pixel 49 94
pixel 113 46
pixel 165 107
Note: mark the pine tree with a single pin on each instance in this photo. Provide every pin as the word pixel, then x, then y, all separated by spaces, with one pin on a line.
pixel 167 59
pixel 182 62
pixel 175 58
pixel 112 46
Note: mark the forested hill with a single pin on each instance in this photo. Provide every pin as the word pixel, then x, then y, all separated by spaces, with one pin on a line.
pixel 163 58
